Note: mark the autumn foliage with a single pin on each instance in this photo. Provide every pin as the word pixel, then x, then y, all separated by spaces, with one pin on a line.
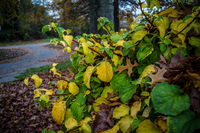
pixel 143 80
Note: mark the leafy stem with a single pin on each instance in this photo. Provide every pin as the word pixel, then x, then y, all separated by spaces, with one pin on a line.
pixel 185 26
pixel 145 14
pixel 107 29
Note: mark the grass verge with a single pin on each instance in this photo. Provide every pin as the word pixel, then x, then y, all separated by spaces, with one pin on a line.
pixel 43 69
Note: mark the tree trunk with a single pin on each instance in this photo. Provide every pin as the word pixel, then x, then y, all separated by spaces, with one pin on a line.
pixel 100 8
pixel 116 15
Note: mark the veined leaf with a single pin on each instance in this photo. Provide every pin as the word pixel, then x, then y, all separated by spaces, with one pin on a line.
pixel 138 35
pixel 70 123
pixel 89 58
pixel 127 91
pixel 135 108
pixel 77 111
pixel 85 48
pixel 86 128
pixel 169 100
pixel 147 126
pixel 121 111
pixel 58 112
pixel 73 88
pixel 107 89
pixel 195 42
pixel 37 80
pixel 105 72
pixel 144 51
pixel 68 39
pixel 62 84
pixel 87 75
pixel 126 124
pixel 148 69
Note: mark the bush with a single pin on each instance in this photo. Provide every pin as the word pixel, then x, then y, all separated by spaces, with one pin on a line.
pixel 143 80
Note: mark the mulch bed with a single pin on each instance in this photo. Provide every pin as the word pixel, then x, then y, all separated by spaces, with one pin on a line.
pixel 19 114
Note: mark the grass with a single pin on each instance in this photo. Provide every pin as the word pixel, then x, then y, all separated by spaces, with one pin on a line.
pixel 43 69
pixel 23 42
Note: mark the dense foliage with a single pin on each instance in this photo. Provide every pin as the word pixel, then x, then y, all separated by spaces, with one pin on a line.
pixel 143 80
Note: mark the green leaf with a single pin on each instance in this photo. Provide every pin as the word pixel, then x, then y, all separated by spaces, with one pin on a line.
pixel 115 37
pixel 45 29
pixel 127 45
pixel 149 2
pixel 136 122
pixel 80 99
pixel 97 92
pixel 127 91
pixel 163 48
pixel 89 58
pixel 77 111
pixel 195 42
pixel 138 35
pixel 60 31
pixel 109 52
pixel 144 51
pixel 120 80
pixel 187 17
pixel 169 100
pixel 186 122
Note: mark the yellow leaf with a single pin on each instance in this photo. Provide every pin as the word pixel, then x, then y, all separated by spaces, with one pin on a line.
pixel 58 112
pixel 161 123
pixel 144 5
pixel 133 25
pixel 70 123
pixel 162 31
pixel 115 59
pixel 182 37
pixel 89 58
pixel 151 6
pixel 120 43
pixel 68 114
pixel 96 49
pixel 37 80
pixel 45 98
pixel 62 84
pixel 107 89
pixel 126 124
pixel 146 111
pixel 135 108
pixel 138 17
pixel 26 81
pixel 121 111
pixel 68 39
pixel 105 72
pixel 37 93
pixel 62 42
pixel 148 69
pixel 54 64
pixel 166 11
pixel 87 75
pixel 99 101
pixel 147 126
pixel 86 128
pixel 85 48
pixel 115 129
pixel 60 131
pixel 157 3
pixel 139 35
pixel 69 49
pixel 118 52
pixel 54 70
pixel 85 121
pixel 73 88
pixel 48 92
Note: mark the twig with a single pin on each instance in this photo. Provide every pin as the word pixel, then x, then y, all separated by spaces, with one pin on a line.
pixel 145 14
pixel 54 78
pixel 59 94
pixel 90 48
pixel 107 30
pixel 63 73
pixel 185 26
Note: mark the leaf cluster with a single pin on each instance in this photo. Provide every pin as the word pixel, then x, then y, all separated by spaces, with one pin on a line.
pixel 143 80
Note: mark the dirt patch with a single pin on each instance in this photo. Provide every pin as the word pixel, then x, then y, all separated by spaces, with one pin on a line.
pixel 19 114
pixel 6 54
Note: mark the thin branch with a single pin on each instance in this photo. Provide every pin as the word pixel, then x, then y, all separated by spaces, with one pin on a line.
pixel 59 94
pixel 185 26
pixel 63 74
pixel 107 30
pixel 54 78
pixel 89 48
pixel 145 14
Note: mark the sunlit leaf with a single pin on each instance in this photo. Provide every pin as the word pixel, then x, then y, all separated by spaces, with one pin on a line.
pixel 73 88
pixel 121 111
pixel 138 17
pixel 58 112
pixel 115 59
pixel 85 48
pixel 62 84
pixel 148 69
pixel 105 72
pixel 86 128
pixel 37 80
pixel 138 35
pixel 37 93
pixel 147 126
pixel 87 75
pixel 70 123
pixel 26 81
pixel 89 58
pixel 48 92
pixel 68 39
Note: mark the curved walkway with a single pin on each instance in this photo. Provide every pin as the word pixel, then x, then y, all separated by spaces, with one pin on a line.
pixel 36 57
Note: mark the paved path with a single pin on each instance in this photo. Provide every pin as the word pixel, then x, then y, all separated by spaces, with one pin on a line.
pixel 36 52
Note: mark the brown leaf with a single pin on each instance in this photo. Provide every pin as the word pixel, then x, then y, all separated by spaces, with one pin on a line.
pixel 128 66
pixel 158 77
pixel 195 99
